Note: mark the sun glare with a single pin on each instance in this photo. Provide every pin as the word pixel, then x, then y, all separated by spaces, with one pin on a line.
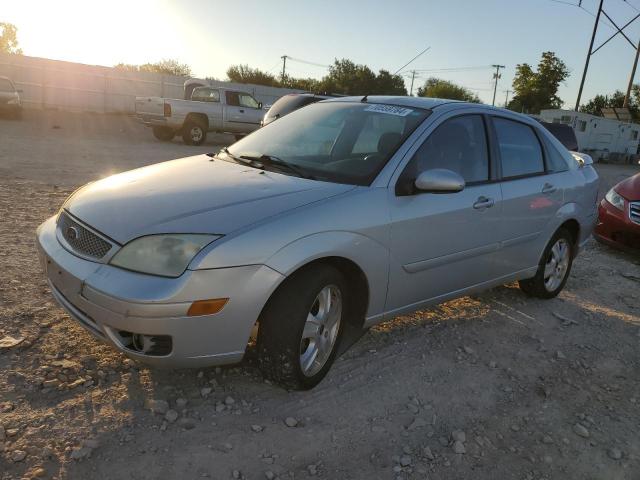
pixel 100 33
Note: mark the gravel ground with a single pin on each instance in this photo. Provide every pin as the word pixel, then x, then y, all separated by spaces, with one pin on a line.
pixel 493 386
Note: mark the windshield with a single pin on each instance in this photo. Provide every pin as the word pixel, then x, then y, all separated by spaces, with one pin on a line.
pixel 340 142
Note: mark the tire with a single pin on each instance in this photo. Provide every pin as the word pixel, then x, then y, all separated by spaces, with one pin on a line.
pixel 194 133
pixel 164 134
pixel 561 247
pixel 287 340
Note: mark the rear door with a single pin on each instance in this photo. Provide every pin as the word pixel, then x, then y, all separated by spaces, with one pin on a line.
pixel 211 106
pixel 443 243
pixel 531 194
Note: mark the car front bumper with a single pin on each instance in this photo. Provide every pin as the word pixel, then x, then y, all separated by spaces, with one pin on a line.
pixel 112 303
pixel 615 228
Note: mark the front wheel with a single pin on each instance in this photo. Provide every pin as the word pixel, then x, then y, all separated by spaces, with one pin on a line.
pixel 301 327
pixel 554 268
pixel 193 133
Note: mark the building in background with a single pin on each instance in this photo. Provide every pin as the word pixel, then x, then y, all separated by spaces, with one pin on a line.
pixel 603 138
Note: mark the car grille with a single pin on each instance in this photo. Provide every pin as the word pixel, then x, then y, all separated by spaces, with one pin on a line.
pixel 82 240
pixel 634 212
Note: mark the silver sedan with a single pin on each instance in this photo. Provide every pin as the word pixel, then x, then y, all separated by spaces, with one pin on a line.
pixel 342 214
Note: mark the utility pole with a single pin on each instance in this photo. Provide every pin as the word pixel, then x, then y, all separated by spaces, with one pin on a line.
pixel 633 74
pixel 497 77
pixel 284 66
pixel 506 100
pixel 413 76
pixel 586 63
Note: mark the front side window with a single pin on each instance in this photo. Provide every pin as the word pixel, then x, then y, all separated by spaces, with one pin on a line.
pixel 233 99
pixel 247 100
pixel 343 142
pixel 205 94
pixel 520 150
pixel 6 85
pixel 459 144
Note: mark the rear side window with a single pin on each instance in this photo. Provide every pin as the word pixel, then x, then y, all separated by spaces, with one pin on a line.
pixel 205 94
pixel 520 150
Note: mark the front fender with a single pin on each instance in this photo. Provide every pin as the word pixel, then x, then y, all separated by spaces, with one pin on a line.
pixel 369 255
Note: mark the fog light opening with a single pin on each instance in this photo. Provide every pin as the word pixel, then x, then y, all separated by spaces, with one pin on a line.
pixel 153 345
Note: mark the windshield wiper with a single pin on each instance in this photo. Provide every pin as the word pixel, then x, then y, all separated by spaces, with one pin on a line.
pixel 260 161
pixel 242 159
pixel 278 162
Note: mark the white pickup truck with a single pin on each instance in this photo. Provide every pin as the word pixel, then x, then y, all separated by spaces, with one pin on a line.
pixel 211 109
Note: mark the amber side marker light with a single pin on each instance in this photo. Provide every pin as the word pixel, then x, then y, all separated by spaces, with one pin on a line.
pixel 207 307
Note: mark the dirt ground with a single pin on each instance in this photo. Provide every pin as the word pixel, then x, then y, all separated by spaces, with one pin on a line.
pixel 494 386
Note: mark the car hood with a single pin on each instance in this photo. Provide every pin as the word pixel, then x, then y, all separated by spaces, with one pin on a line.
pixel 630 188
pixel 191 195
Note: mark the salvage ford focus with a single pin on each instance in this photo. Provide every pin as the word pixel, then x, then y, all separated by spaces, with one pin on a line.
pixel 342 214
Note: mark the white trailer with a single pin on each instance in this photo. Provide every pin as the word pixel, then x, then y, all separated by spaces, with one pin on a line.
pixel 602 138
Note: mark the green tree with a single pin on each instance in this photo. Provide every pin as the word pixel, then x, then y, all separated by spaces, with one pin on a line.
pixel 388 84
pixel 255 76
pixel 439 88
pixel 538 90
pixel 9 39
pixel 166 67
pixel 615 100
pixel 348 78
pixel 306 84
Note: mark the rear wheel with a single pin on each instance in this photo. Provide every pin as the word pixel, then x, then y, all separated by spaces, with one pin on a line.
pixel 194 133
pixel 554 268
pixel 164 134
pixel 301 327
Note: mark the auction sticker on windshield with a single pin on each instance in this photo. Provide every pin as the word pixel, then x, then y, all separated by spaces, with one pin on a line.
pixel 389 110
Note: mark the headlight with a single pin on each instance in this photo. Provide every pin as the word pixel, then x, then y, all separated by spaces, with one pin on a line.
pixel 614 199
pixel 165 255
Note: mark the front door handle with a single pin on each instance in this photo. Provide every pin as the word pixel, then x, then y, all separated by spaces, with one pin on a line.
pixel 483 202
pixel 548 188
pixel 241 111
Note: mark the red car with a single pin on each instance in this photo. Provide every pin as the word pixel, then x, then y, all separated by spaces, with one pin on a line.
pixel 619 215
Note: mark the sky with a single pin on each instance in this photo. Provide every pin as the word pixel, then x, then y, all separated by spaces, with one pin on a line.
pixel 464 35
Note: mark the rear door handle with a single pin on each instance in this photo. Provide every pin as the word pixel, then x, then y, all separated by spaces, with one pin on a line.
pixel 548 188
pixel 483 202
pixel 241 111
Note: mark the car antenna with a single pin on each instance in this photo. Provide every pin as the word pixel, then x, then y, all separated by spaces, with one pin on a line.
pixel 364 99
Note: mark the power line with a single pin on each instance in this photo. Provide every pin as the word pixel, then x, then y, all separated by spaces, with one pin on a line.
pixel 307 62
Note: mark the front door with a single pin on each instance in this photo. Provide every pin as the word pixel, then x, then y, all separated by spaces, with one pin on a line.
pixel 241 112
pixel 443 243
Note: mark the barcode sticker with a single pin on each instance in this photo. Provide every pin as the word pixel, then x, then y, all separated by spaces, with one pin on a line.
pixel 389 110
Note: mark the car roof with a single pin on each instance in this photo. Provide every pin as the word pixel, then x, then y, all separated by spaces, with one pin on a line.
pixel 403 101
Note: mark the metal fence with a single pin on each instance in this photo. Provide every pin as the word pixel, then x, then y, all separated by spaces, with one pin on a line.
pixel 77 87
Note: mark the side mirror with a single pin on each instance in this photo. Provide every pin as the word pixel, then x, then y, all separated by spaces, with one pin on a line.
pixel 439 180
pixel 259 105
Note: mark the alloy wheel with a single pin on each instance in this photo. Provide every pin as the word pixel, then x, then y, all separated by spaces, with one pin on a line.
pixel 320 330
